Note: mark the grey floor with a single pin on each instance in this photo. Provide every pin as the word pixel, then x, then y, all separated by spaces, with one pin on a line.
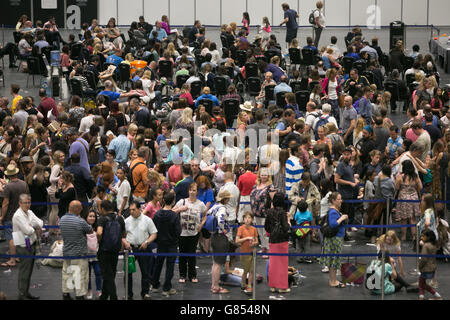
pixel 46 281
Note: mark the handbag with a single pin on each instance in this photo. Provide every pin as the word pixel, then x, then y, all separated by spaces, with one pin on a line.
pixel 353 272
pixel 341 101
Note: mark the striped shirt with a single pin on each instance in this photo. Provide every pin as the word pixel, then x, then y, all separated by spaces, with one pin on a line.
pixel 74 230
pixel 294 171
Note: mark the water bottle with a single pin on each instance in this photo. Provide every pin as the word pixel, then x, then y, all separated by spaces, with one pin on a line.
pixel 47 88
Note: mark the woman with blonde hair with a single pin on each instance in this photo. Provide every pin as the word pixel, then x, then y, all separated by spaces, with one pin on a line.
pixel 132 132
pixel 172 51
pixel 185 122
pixel 390 242
pixel 357 133
pixel 57 169
pixel 424 93
pixel 148 85
pixel 294 44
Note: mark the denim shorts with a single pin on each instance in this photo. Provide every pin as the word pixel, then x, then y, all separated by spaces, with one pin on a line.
pixel 427 275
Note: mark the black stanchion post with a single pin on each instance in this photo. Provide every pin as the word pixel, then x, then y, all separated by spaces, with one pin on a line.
pixel 125 260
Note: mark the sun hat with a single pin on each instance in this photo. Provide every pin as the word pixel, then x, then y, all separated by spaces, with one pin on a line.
pixel 225 194
pixel 11 170
pixel 247 106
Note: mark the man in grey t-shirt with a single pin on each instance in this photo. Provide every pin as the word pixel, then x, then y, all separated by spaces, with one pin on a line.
pixel 349 117
pixel 75 272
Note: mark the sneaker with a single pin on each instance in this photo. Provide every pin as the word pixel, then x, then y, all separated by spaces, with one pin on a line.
pixel 248 290
pixel 300 260
pixel 155 290
pixel 243 287
pixel 325 269
pixel 436 298
pixel 421 297
pixel 146 297
pixel 284 290
pixel 169 293
pixel 308 261
pixel 99 293
pixel 89 296
pixel 66 296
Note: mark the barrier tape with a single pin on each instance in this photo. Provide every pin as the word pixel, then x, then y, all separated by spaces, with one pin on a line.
pixel 162 254
pixel 393 226
pixel 248 203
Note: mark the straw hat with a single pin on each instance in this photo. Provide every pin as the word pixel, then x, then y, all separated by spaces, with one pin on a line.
pixel 247 106
pixel 225 194
pixel 26 159
pixel 11 170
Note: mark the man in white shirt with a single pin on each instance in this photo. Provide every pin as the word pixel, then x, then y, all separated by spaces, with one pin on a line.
pixel 233 205
pixel 326 110
pixel 25 227
pixel 141 232
pixel 337 53
pixel 87 122
pixel 446 118
pixel 311 115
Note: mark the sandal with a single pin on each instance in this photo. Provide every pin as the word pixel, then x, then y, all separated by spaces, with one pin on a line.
pixel 220 290
pixel 340 285
pixel 194 280
pixel 8 265
pixel 182 280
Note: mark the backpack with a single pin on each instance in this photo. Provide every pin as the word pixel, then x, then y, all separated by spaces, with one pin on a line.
pixel 325 228
pixel 312 19
pixel 130 180
pixel 320 123
pixel 211 223
pixel 112 235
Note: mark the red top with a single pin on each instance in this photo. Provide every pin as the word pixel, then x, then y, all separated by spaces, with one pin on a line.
pixel 246 183
pixel 175 173
pixel 188 97
pixel 46 105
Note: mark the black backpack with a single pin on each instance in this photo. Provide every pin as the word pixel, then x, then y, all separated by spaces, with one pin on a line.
pixel 112 235
pixel 131 181
pixel 312 19
pixel 325 228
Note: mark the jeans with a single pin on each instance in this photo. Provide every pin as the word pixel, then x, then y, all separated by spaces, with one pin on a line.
pixel 187 264
pixel 108 267
pixel 98 275
pixel 145 264
pixel 317 33
pixel 170 265
pixel 335 111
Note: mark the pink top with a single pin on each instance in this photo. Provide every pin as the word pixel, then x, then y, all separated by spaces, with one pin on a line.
pixel 411 135
pixel 267 29
pixel 166 27
pixel 151 209
pixel 246 25
pixel 188 97
pixel 65 60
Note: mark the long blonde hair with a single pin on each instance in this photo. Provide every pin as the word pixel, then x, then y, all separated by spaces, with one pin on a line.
pixel 266 171
pixel 186 116
pixel 391 234
pixel 360 123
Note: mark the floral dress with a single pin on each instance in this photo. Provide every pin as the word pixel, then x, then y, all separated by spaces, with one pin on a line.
pixel 258 199
pixel 407 210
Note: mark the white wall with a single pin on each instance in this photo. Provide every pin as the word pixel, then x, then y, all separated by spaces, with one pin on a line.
pixel 216 12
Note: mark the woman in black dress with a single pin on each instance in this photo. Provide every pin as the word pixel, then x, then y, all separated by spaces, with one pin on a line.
pixel 66 192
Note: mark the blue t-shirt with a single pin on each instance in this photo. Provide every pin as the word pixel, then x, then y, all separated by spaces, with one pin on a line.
pixel 314 49
pixel 292 15
pixel 206 195
pixel 114 60
pixel 182 188
pixel 113 96
pixel 333 216
pixel 301 217
pixel 353 55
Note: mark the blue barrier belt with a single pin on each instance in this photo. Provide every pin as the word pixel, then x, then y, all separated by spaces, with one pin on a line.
pixel 406 255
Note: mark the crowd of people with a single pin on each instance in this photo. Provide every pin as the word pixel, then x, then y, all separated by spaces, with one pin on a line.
pixel 147 168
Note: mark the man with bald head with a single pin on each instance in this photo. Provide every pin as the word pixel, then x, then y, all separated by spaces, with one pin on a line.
pixel 75 273
pixel 349 117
